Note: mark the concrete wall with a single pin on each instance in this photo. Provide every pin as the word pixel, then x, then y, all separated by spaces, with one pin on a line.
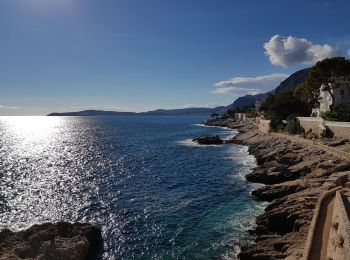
pixel 240 117
pixel 345 89
pixel 312 230
pixel 339 240
pixel 310 123
pixel 264 126
pixel 339 129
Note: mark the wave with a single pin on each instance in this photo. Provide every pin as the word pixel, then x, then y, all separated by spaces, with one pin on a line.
pixel 190 143
pixel 210 126
pixel 228 135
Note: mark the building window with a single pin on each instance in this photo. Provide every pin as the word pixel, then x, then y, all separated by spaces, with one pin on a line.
pixel 342 93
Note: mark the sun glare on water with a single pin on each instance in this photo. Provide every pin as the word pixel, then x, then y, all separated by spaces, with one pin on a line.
pixel 32 133
pixel 38 181
pixel 32 126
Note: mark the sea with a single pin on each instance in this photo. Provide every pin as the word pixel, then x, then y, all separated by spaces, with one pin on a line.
pixel 154 192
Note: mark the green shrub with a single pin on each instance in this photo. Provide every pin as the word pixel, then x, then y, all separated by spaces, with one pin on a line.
pixel 276 122
pixel 293 125
pixel 282 104
pixel 341 112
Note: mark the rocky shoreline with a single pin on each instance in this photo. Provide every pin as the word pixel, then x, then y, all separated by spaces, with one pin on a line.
pixel 60 240
pixel 295 175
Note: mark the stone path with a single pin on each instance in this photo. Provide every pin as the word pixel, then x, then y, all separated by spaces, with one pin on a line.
pixel 331 150
pixel 322 230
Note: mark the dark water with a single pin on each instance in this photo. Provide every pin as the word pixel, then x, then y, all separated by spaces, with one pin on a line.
pixel 155 193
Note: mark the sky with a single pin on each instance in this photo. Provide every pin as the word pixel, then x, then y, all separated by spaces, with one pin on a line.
pixel 137 55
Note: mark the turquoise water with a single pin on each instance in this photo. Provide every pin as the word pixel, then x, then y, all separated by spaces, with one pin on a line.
pixel 155 193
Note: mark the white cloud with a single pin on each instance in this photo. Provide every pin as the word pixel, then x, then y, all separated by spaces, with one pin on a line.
pixel 115 108
pixel 348 52
pixel 287 51
pixel 188 106
pixel 249 85
pixel 8 107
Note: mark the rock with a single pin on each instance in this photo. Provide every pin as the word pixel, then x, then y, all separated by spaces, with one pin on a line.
pixel 296 176
pixel 338 142
pixel 208 140
pixel 60 240
pixel 265 176
pixel 270 193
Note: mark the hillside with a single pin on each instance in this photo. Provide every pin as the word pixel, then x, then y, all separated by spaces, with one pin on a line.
pixel 291 82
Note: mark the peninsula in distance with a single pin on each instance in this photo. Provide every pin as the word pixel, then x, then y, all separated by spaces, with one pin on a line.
pixel 247 100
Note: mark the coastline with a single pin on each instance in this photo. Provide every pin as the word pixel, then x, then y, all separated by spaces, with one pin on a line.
pixel 295 175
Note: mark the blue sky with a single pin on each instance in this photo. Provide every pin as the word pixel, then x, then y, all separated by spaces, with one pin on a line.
pixel 137 55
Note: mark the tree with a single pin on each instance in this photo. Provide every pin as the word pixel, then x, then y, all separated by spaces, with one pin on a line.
pixel 280 105
pixel 324 73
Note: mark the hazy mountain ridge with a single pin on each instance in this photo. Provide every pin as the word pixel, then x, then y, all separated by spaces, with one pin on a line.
pixel 291 82
pixel 159 112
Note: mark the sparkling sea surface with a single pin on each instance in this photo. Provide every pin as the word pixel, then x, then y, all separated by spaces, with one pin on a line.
pixel 154 192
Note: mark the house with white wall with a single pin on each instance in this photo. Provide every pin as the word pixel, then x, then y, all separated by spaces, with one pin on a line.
pixel 340 89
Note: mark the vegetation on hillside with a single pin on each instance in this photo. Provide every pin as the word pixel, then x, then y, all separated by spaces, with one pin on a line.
pixel 279 106
pixel 282 107
pixel 287 105
pixel 324 72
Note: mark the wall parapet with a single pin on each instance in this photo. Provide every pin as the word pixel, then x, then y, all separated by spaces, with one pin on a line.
pixel 339 129
pixel 343 124
pixel 339 240
pixel 313 119
pixel 315 219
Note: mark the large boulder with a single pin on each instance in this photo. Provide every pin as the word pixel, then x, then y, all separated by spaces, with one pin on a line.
pixel 60 240
pixel 208 140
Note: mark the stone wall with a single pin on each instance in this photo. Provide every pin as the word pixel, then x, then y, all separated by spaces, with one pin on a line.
pixel 264 126
pixel 310 123
pixel 312 230
pixel 339 240
pixel 240 117
pixel 339 129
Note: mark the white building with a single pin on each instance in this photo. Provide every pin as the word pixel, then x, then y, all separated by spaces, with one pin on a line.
pixel 340 90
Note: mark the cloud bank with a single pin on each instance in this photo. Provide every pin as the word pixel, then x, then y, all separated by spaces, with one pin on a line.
pixel 249 85
pixel 287 51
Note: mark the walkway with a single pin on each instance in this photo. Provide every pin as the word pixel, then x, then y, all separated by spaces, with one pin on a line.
pixel 322 230
pixel 331 150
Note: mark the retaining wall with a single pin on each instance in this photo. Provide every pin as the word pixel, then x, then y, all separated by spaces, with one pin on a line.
pixel 339 129
pixel 310 123
pixel 264 126
pixel 312 230
pixel 339 240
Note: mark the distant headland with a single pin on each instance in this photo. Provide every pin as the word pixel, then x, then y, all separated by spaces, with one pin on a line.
pixel 159 112
pixel 247 100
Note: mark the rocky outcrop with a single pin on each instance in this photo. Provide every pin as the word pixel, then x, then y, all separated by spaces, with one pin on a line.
pixel 295 176
pixel 51 241
pixel 208 140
